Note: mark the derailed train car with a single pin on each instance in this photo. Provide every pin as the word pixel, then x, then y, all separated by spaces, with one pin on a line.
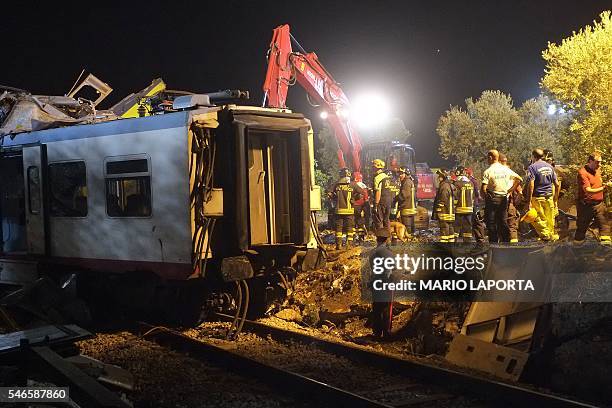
pixel 214 194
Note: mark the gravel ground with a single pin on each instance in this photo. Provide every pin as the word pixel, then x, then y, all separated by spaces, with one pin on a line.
pixel 164 378
pixel 329 368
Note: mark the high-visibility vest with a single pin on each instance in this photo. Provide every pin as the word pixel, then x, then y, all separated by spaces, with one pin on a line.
pixel 344 196
pixel 465 197
pixel 445 202
pixel 407 202
pixel 383 183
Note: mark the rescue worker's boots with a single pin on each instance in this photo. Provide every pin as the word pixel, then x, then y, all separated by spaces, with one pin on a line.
pixel 350 240
pixel 338 243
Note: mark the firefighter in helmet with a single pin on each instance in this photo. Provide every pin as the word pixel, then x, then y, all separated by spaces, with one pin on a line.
pixel 464 190
pixel 444 206
pixel 383 196
pixel 394 186
pixel 360 206
pixel 344 194
pixel 406 200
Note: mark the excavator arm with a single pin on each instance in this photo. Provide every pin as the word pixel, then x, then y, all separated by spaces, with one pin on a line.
pixel 286 67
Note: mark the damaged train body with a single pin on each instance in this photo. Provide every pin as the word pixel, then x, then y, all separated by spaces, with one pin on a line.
pixel 224 193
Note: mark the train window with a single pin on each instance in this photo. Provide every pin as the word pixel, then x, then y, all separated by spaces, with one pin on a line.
pixel 128 187
pixel 34 189
pixel 68 189
pixel 127 166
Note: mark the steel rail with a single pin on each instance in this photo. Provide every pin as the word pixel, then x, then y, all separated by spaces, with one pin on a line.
pixel 286 382
pixel 500 393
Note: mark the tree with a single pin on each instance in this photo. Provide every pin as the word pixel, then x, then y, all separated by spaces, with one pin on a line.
pixel 538 128
pixel 579 74
pixel 327 166
pixel 492 122
pixel 327 151
pixel 487 123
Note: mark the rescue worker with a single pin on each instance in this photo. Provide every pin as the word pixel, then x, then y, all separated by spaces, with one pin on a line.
pixel 514 201
pixel 549 158
pixel 465 205
pixel 542 196
pixel 383 196
pixel 394 186
pixel 590 204
pixel 478 225
pixel 381 300
pixel 343 193
pixel 444 206
pixel 406 200
pixel 498 182
pixel 360 207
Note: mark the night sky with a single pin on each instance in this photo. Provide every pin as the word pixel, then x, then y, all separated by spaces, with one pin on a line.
pixel 424 55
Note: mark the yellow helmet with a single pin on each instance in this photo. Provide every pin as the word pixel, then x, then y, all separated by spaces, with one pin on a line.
pixel 530 216
pixel 378 164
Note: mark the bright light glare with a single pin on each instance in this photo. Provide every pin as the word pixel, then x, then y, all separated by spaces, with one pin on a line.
pixel 343 112
pixel 370 110
pixel 552 108
pixel 323 114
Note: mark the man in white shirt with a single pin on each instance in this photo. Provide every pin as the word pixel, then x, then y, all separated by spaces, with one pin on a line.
pixel 498 181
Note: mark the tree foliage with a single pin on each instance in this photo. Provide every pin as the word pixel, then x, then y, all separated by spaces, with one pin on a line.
pixel 492 122
pixel 326 156
pixel 579 74
pixel 327 152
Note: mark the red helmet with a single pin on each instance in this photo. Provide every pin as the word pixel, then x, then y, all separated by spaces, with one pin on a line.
pixel 357 176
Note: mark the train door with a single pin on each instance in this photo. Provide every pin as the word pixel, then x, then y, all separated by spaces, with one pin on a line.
pixel 258 180
pixel 273 212
pixel 34 166
pixel 12 202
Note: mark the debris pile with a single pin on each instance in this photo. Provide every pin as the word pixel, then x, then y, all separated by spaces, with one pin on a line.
pixel 20 111
pixel 330 301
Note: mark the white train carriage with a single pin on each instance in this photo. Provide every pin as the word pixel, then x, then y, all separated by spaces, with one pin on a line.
pixel 213 190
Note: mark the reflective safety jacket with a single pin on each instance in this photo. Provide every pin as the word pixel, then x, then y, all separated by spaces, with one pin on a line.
pixel 394 186
pixel 345 192
pixel 363 198
pixel 444 204
pixel 383 182
pixel 464 190
pixel 406 198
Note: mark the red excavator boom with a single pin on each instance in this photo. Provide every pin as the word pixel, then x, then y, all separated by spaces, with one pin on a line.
pixel 285 67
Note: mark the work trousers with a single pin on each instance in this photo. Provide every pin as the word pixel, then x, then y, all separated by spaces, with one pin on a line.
pixel 478 228
pixel 345 223
pixel 381 318
pixel 586 213
pixel 447 231
pixel 381 217
pixel 513 222
pixel 360 225
pixel 408 221
pixel 496 214
pixel 367 215
pixel 463 225
pixel 544 223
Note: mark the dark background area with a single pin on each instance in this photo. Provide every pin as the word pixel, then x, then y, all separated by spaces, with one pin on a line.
pixel 424 55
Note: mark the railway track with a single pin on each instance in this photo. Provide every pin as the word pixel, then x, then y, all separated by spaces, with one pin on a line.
pixel 406 385
pixel 293 384
pixel 452 382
